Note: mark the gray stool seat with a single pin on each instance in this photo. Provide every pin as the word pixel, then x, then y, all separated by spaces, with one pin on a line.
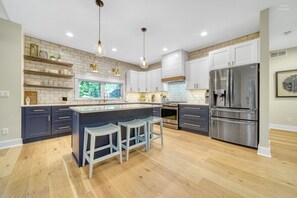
pixel 94 132
pixel 140 139
pixel 152 135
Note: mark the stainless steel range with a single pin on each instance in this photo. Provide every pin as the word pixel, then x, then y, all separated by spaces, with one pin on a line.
pixel 169 113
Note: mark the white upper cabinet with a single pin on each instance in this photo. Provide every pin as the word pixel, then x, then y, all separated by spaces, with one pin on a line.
pixel 236 55
pixel 149 81
pixel 142 82
pixel 197 74
pixel 245 53
pixel 173 65
pixel 220 58
pixel 132 81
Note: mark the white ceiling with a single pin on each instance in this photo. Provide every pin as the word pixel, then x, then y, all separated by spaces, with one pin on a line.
pixel 174 24
pixel 283 18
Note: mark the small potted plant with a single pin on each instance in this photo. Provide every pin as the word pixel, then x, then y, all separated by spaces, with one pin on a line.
pixel 52 57
pixel 59 58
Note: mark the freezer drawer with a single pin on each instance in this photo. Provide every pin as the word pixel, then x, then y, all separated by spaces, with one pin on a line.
pixel 244 114
pixel 235 131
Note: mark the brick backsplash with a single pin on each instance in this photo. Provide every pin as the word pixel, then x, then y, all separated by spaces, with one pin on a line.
pixel 176 92
pixel 80 60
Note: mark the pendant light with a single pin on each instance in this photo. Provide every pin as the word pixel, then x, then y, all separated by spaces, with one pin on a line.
pixel 99 48
pixel 143 62
pixel 93 66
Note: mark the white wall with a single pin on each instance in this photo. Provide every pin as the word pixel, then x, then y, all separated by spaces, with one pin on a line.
pixel 264 143
pixel 3 13
pixel 283 111
pixel 10 79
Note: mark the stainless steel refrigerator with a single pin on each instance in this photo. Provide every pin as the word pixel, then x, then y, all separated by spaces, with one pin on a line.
pixel 234 105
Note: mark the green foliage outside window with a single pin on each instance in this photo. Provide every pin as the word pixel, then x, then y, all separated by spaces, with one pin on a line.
pixel 112 90
pixel 89 89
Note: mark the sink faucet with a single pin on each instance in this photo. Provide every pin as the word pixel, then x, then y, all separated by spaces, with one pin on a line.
pixel 104 97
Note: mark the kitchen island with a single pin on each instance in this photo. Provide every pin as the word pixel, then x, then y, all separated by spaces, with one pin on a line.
pixel 94 116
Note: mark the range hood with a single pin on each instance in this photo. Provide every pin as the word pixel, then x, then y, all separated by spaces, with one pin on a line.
pixel 173 66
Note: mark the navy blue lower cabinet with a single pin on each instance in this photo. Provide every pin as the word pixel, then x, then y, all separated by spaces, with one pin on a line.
pixel 157 112
pixel 37 125
pixel 194 118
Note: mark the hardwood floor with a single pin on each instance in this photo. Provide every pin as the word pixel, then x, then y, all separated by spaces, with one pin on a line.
pixel 188 165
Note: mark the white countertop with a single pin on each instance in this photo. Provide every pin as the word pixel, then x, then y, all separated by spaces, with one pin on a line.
pixel 198 104
pixel 106 108
pixel 86 104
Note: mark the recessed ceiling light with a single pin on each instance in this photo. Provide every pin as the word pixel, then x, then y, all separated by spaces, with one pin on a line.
pixel 114 49
pixel 203 33
pixel 69 34
pixel 165 49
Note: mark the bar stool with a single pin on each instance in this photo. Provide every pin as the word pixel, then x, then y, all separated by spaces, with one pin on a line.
pixel 150 121
pixel 94 132
pixel 140 139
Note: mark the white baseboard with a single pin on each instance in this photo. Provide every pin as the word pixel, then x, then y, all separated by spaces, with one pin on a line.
pixel 283 127
pixel 264 151
pixel 11 143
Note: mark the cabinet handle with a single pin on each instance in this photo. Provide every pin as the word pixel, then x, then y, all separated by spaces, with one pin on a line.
pixel 194 116
pixel 195 108
pixel 195 125
pixel 130 89
pixel 65 127
pixel 229 64
pixel 49 118
pixel 65 109
pixel 233 63
pixel 38 110
pixel 65 117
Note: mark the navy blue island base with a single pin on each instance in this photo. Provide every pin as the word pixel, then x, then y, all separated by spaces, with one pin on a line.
pixel 95 119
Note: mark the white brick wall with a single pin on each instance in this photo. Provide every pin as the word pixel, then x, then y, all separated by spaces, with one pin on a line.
pixel 80 60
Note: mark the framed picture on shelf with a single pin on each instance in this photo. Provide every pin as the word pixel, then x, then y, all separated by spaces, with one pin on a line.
pixel 32 95
pixel 286 84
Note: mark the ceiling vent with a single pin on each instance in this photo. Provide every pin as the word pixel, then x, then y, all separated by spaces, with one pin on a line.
pixel 279 53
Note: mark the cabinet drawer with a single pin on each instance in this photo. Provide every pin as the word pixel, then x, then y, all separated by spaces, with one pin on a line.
pixel 61 109
pixel 61 127
pixel 194 126
pixel 194 117
pixel 193 109
pixel 157 112
pixel 61 117
pixel 38 110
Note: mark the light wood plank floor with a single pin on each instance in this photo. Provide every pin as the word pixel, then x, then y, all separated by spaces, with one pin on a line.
pixel 188 165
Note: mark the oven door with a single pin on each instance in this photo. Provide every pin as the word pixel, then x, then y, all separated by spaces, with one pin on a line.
pixel 169 115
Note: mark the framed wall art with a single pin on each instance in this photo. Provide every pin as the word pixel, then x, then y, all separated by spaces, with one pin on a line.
pixel 286 84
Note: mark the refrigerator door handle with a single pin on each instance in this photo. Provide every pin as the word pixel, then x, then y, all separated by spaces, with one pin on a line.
pixel 236 122
pixel 234 111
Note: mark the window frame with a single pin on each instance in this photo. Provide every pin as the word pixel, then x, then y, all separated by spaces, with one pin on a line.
pixel 102 82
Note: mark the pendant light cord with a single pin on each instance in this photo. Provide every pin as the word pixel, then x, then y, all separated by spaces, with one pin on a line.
pixel 143 45
pixel 99 24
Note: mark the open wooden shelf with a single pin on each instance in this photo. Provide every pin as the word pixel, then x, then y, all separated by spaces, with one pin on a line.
pixel 40 73
pixel 49 61
pixel 46 86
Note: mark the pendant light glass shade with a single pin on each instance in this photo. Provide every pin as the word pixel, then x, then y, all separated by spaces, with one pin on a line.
pixel 143 62
pixel 100 50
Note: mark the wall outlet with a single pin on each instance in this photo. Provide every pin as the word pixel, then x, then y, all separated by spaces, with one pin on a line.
pixel 4 94
pixel 5 131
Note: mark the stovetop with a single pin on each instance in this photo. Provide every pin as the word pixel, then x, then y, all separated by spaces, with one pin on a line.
pixel 172 103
